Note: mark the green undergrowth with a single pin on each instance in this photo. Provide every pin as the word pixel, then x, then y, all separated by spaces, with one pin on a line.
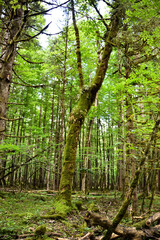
pixel 39 212
pixel 59 210
pixel 21 212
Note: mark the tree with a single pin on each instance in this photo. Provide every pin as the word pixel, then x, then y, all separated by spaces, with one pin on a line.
pixel 16 18
pixel 86 99
pixel 14 21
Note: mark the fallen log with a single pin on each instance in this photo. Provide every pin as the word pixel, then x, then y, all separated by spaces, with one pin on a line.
pixel 30 235
pixel 152 219
pixel 94 219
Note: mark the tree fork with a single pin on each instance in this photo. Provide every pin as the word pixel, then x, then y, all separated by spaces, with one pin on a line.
pixel 77 117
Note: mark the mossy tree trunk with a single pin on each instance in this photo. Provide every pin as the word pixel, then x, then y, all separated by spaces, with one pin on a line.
pixel 86 99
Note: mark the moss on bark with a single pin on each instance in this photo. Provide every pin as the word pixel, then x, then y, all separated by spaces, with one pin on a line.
pixel 87 97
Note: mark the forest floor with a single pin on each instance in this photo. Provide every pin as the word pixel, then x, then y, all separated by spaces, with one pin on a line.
pixel 22 212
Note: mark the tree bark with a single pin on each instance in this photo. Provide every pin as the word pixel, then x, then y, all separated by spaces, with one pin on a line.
pixel 88 144
pixel 12 30
pixel 78 114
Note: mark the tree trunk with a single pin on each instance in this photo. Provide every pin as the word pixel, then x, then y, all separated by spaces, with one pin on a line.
pixel 13 29
pixel 88 144
pixel 145 232
pixel 78 114
pixel 130 152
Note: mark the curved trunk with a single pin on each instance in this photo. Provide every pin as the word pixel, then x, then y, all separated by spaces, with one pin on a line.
pixel 78 114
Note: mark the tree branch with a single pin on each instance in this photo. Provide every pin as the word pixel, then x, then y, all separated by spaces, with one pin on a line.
pixel 28 39
pixel 10 119
pixel 28 60
pixel 45 11
pixel 95 7
pixel 78 52
pixel 110 5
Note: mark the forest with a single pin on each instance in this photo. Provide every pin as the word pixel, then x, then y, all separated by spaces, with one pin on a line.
pixel 80 120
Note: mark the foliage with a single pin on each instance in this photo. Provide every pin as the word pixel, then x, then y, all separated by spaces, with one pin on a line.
pixel 33 148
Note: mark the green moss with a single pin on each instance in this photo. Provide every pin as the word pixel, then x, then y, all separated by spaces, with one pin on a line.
pixel 141 224
pixel 93 207
pixel 40 230
pixel 60 210
pixel 78 204
pixel 60 207
pixel 54 216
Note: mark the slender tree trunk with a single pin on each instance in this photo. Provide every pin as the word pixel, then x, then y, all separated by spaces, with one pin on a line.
pixel 50 142
pixel 104 158
pixel 158 187
pixel 112 160
pixel 121 153
pixel 40 177
pixel 96 167
pixel 56 152
pixel 108 162
pixel 86 158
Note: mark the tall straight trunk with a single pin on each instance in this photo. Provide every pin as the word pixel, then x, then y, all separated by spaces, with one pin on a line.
pixel 130 152
pixel 104 163
pixel 121 160
pixel 158 184
pixel 112 160
pixel 96 167
pixel 86 158
pixel 43 142
pixel 13 132
pixel 56 152
pixel 79 113
pixel 62 102
pixel 108 162
pixel 100 158
pixel 50 142
pixel 40 180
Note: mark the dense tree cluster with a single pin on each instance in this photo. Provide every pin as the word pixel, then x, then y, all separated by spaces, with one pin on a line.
pixel 89 101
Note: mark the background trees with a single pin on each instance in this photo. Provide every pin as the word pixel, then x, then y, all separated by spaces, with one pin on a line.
pixel 117 129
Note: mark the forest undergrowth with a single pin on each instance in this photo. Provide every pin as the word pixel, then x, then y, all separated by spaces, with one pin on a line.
pixel 22 214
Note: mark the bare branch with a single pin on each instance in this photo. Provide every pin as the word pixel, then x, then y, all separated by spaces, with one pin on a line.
pixel 46 11
pixel 95 7
pixel 9 119
pixel 29 60
pixel 27 39
pixel 110 5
